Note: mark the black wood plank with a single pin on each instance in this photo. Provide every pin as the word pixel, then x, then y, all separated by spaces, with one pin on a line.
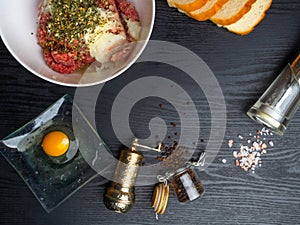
pixel 244 67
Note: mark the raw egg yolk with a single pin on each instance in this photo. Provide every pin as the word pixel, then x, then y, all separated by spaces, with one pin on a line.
pixel 55 143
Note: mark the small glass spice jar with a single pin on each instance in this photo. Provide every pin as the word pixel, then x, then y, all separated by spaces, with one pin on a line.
pixel 186 184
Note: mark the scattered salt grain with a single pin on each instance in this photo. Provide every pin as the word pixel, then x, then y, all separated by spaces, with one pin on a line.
pixel 230 143
pixel 249 155
pixel 235 154
pixel 224 160
pixel 237 163
pixel 255 145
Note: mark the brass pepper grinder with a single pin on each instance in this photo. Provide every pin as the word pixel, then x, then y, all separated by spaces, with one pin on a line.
pixel 119 196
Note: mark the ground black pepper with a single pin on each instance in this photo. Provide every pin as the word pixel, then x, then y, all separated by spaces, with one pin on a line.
pixel 173 158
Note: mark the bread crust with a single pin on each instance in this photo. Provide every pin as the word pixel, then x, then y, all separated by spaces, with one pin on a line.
pixel 236 17
pixel 243 22
pixel 256 23
pixel 197 4
pixel 209 13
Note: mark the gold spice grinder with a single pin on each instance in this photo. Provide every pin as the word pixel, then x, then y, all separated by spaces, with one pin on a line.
pixel 119 195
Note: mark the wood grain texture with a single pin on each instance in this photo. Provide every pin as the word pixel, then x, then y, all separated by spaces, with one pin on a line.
pixel 243 66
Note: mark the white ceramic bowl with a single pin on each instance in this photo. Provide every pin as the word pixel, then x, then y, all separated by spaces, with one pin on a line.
pixel 18 28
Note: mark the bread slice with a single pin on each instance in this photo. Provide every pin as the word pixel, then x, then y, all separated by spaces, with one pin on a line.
pixel 232 11
pixel 187 5
pixel 247 23
pixel 208 10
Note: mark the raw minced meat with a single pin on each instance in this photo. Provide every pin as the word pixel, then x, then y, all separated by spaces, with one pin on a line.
pixel 72 32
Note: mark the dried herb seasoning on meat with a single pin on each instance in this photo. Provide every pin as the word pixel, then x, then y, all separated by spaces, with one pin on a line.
pixel 76 33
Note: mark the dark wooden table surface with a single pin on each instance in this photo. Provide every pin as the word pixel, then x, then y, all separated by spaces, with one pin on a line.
pixel 244 67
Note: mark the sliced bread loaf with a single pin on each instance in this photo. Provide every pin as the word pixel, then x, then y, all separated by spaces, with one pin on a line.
pixel 187 5
pixel 247 23
pixel 232 11
pixel 208 10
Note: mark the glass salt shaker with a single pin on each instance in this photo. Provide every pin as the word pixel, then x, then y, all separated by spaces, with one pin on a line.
pixel 276 107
